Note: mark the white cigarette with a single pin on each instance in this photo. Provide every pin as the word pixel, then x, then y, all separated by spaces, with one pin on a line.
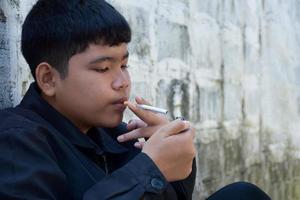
pixel 153 109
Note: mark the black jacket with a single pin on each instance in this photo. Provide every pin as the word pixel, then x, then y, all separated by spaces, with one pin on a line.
pixel 44 156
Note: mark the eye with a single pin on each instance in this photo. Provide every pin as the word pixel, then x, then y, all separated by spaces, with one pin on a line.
pixel 125 66
pixel 101 70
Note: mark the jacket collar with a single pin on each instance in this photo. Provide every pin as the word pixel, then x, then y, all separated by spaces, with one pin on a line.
pixel 101 140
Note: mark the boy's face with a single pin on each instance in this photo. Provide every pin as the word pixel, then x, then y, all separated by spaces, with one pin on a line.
pixel 95 88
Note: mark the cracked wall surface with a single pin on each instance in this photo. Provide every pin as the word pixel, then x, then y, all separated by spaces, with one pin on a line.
pixel 231 67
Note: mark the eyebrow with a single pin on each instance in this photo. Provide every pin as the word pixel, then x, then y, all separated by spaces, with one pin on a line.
pixel 107 58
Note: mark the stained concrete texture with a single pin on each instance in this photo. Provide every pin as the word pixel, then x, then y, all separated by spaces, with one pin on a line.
pixel 5 87
pixel 230 67
pixel 14 73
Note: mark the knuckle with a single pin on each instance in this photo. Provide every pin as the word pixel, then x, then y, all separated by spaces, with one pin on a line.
pixel 185 138
pixel 164 121
pixel 181 124
pixel 190 135
pixel 189 138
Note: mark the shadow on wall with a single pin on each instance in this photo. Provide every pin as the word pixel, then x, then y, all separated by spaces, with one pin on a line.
pixel 176 97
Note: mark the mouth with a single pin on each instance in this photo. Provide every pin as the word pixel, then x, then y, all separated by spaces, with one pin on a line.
pixel 119 104
pixel 121 100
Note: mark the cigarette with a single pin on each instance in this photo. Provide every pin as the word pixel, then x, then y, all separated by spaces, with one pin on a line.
pixel 153 109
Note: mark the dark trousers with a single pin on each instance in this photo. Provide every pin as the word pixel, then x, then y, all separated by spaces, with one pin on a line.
pixel 239 191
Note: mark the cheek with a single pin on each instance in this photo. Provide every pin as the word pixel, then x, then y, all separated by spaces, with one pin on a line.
pixel 80 93
pixel 129 81
pixel 96 94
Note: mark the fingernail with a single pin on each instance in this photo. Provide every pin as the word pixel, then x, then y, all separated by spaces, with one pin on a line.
pixel 121 138
pixel 137 145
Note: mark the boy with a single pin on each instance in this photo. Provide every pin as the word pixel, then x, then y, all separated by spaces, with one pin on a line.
pixel 65 140
pixel 60 142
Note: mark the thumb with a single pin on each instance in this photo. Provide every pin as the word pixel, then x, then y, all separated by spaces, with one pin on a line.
pixel 173 128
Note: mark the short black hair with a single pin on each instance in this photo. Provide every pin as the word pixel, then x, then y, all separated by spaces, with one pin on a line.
pixel 55 30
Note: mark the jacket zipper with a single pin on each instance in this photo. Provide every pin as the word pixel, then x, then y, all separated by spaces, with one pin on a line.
pixel 105 164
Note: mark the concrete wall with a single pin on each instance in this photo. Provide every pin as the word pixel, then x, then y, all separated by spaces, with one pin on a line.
pixel 14 73
pixel 230 66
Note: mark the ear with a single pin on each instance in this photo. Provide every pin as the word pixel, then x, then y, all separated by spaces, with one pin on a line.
pixel 46 77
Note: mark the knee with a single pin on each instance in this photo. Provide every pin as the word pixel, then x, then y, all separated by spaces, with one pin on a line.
pixel 246 189
pixel 240 191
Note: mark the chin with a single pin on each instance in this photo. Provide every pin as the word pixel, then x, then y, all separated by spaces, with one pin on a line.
pixel 113 122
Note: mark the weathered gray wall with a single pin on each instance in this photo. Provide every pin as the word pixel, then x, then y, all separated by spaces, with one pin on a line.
pixel 230 66
pixel 4 62
pixel 14 73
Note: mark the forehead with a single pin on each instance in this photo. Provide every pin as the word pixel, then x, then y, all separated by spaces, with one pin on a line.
pixel 116 52
pixel 99 53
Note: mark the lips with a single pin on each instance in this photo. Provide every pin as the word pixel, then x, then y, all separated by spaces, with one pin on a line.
pixel 119 104
pixel 121 100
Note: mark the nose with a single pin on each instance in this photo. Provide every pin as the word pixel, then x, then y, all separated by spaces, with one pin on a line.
pixel 121 81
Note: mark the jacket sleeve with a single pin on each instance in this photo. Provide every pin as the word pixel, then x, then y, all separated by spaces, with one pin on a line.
pixel 184 189
pixel 181 190
pixel 29 170
pixel 130 182
pixel 141 178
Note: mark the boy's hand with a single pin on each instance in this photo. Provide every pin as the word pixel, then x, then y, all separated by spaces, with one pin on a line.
pixel 144 127
pixel 170 144
pixel 172 149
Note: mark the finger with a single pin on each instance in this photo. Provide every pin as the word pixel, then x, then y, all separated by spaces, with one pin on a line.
pixel 185 137
pixel 139 145
pixel 148 117
pixel 174 127
pixel 135 123
pixel 132 135
pixel 131 125
pixel 141 100
pixel 144 132
pixel 188 134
